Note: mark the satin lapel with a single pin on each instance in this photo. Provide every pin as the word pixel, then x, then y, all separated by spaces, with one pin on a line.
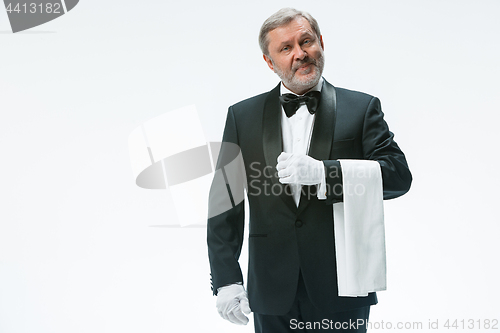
pixel 322 136
pixel 272 142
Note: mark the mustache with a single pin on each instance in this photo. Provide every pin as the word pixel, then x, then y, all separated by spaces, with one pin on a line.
pixel 303 62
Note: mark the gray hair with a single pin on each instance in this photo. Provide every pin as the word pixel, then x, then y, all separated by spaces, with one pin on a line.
pixel 280 18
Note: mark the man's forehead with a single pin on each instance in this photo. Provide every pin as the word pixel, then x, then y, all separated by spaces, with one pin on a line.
pixel 299 26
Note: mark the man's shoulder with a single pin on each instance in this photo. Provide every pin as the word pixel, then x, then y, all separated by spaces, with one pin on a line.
pixel 354 94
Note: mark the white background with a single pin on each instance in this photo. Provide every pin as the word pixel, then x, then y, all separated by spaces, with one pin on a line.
pixel 80 246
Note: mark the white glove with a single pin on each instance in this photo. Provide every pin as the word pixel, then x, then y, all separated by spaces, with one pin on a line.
pixel 299 169
pixel 232 302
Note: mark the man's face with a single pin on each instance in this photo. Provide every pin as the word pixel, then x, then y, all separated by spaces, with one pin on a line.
pixel 296 55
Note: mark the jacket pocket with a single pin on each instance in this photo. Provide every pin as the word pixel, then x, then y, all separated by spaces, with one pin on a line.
pixel 343 144
pixel 344 149
pixel 257 235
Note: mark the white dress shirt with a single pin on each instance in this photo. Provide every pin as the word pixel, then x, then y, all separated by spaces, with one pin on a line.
pixel 297 131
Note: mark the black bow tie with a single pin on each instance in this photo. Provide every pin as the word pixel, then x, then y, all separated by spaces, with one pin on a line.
pixel 291 102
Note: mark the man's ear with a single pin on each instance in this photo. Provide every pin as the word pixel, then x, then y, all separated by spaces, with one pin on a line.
pixel 269 62
pixel 321 42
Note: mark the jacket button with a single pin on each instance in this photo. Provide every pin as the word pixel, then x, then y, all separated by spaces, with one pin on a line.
pixel 298 223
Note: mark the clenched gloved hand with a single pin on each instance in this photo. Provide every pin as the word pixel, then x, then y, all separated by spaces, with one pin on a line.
pixel 232 303
pixel 299 169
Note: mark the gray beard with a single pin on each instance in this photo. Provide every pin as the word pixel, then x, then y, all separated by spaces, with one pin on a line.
pixel 293 83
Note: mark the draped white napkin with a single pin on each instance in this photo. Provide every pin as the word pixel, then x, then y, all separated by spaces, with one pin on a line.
pixel 359 230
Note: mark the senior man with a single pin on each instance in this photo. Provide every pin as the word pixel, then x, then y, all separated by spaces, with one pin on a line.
pixel 301 128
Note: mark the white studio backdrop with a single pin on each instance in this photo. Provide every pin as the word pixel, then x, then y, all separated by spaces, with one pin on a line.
pixel 83 249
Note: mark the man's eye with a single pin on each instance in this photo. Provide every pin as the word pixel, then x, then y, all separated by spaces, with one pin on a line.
pixel 307 41
pixel 286 48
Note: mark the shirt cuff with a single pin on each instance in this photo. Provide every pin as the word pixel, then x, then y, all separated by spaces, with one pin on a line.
pixel 227 285
pixel 321 187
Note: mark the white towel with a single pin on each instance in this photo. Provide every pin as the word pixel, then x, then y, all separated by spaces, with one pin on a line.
pixel 359 230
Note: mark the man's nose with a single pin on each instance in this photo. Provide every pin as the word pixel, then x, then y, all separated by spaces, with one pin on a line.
pixel 300 54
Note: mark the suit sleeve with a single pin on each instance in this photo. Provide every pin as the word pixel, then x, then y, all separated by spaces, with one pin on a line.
pixel 225 230
pixel 378 144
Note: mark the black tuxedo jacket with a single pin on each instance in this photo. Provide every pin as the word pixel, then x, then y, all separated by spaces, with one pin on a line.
pixel 284 238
